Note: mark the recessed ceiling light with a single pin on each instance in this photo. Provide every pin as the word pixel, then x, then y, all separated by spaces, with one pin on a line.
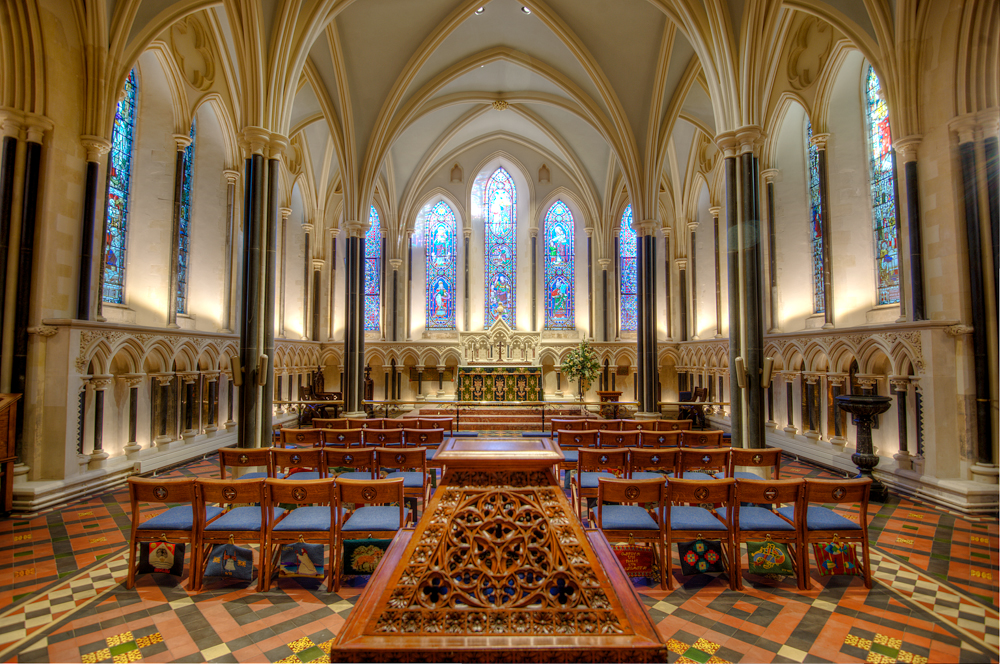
pixel 525 10
pixel 480 11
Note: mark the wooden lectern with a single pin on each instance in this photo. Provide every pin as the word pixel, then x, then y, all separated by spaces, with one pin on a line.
pixel 611 397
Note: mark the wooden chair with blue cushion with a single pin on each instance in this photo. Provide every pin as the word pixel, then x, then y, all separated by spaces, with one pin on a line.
pixel 660 439
pixel 312 521
pixel 240 457
pixel 402 423
pixel 702 464
pixel 619 438
pixel 246 523
pixel 688 518
pixel 701 438
pixel 411 465
pixel 638 425
pixel 821 525
pixel 446 423
pixel 754 520
pixel 343 437
pixel 647 463
pixel 176 525
pixel 570 441
pixel 628 520
pixel 606 425
pixel 673 425
pixel 330 423
pixel 378 512
pixel 384 438
pixel 361 459
pixel 768 458
pixel 365 423
pixel 568 424
pixel 301 438
pixel 311 458
pixel 590 467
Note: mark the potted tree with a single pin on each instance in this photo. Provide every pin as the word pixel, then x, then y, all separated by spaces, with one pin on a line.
pixel 581 364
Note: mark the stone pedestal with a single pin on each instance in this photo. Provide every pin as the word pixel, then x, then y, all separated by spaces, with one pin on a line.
pixel 865 407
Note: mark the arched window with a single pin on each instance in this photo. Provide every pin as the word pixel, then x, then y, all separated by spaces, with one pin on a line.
pixel 628 256
pixel 442 267
pixel 184 243
pixel 119 182
pixel 560 275
pixel 883 191
pixel 373 264
pixel 815 221
pixel 501 248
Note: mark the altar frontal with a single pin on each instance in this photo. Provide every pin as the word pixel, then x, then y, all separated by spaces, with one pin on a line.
pixel 500 383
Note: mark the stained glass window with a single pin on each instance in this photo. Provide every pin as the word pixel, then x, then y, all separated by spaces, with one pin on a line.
pixel 373 264
pixel 560 276
pixel 815 222
pixel 628 256
pixel 883 191
pixel 184 243
pixel 501 250
pixel 442 266
pixel 119 180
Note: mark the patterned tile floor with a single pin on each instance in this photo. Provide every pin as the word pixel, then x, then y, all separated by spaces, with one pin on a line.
pixel 62 598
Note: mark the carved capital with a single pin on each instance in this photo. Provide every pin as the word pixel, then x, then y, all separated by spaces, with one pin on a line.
pixel 820 140
pixel 605 263
pixel 43 330
pixel 812 378
pixel 285 212
pixel 188 377
pixel 97 146
pixel 589 230
pixel 35 127
pixel 132 380
pixel 906 147
pixel 836 379
pixel 10 122
pixel 255 139
pixel 232 176
pixel 533 232
pixel 163 378
pixel 356 228
pixel 307 227
pixel 648 227
pixel 181 141
pixel 693 225
pixel 769 174
pixel 749 138
pixel 102 381
pixel 318 264
pixel 866 381
pixel 965 126
pixel 714 210
pixel 727 143
pixel 958 330
pixel 681 263
pixel 211 376
pixel 276 146
pixel 395 263
pixel 899 383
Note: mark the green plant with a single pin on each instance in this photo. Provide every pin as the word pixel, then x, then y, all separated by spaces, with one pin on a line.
pixel 581 364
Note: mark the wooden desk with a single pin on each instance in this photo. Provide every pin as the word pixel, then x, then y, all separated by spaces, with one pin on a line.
pixel 499 569
pixel 8 427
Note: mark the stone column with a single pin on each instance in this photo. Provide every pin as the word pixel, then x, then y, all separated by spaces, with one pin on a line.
pixel 466 237
pixel 189 431
pixel 836 382
pixel 559 391
pixel 667 273
pixel 98 458
pixel 440 370
pixel 282 260
pixel 682 264
pixel 162 438
pixel 317 276
pixel 917 460
pixel 307 281
pixel 420 383
pixel 11 131
pixel 693 276
pixel 395 263
pixel 132 381
pixel 648 357
pixel 616 287
pixel 819 140
pixel 906 149
pixel 82 459
pixel 182 141
pixel 533 233
pixel 333 283
pixel 96 147
pixel 232 176
pixel 354 334
pixel 590 281
pixel 900 385
pixel 789 377
pixel 772 270
pixel 212 378
pixel 715 210
pixel 230 422
pixel 605 263
pixel 811 397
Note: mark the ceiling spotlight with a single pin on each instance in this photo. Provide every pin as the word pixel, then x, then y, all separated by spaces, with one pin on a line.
pixel 480 11
pixel 525 10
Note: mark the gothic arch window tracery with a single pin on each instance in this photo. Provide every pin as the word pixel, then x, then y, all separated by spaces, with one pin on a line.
pixel 119 187
pixel 882 179
pixel 373 260
pixel 628 257
pixel 441 261
pixel 501 248
pixel 184 237
pixel 559 268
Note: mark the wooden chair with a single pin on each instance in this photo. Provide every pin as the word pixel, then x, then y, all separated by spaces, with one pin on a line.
pixel 330 423
pixel 361 458
pixel 673 425
pixel 702 464
pixel 378 513
pixel 369 423
pixel 570 441
pixel 702 438
pixel 618 438
pixel 686 519
pixel 402 423
pixel 384 438
pixel 283 460
pixel 568 424
pixel 766 458
pixel 646 463
pixel 819 524
pixel 638 425
pixel 245 524
pixel 175 525
pixel 628 521
pixel 429 438
pixel 301 438
pixel 250 457
pixel 446 423
pixel 757 523
pixel 660 439
pixel 593 465
pixel 606 425
pixel 415 484
pixel 343 437
pixel 312 521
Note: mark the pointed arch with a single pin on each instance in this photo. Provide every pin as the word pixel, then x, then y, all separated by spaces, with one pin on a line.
pixel 559 233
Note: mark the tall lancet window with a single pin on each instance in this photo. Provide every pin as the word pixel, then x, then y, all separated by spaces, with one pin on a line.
pixel 560 275
pixel 184 242
pixel 440 229
pixel 815 221
pixel 501 247
pixel 119 183
pixel 883 191
pixel 373 271
pixel 628 255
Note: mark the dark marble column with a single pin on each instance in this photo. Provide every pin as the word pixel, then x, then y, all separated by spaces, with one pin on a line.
pixel 333 284
pixel 269 241
pixel 354 335
pixel 753 293
pixel 534 278
pixel 213 403
pixel 189 406
pixel 396 263
pixel 590 281
pixel 683 300
pixel 605 263
pixel 648 370
pixel 306 278
pixel 232 176
pixel 132 381
pixel 98 456
pixel 728 145
pixel 906 148
pixel 317 277
pixel 772 269
pixel 162 405
pixel 693 276
pixel 11 128
pixel 96 147
pixel 667 295
pixel 819 140
pixel 616 288
pixel 900 385
pixel 282 261
pixel 718 271
pixel 990 151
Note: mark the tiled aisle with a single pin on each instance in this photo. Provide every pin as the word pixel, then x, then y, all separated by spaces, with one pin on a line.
pixel 61 574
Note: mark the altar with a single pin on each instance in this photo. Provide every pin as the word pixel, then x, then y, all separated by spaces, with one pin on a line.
pixel 500 384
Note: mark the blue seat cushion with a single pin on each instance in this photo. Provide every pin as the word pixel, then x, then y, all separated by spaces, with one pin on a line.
pixel 647 475
pixel 307 517
pixel 374 518
pixel 178 518
pixel 253 476
pixel 588 480
pixel 759 518
pixel 305 475
pixel 695 475
pixel 430 452
pixel 572 456
pixel 689 517
pixel 355 475
pixel 739 474
pixel 626 517
pixel 411 479
pixel 820 518
pixel 242 518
